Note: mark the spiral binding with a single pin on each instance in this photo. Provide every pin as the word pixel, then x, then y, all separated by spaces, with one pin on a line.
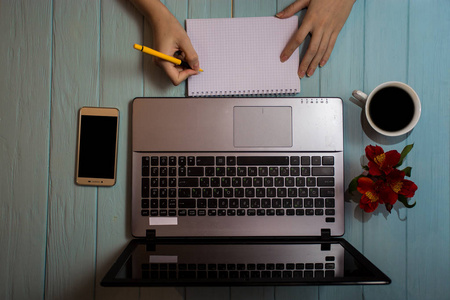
pixel 247 93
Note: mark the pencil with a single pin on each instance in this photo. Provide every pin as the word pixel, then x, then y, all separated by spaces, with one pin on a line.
pixel 174 60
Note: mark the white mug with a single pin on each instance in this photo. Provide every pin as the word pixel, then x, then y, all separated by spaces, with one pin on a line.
pixel 392 108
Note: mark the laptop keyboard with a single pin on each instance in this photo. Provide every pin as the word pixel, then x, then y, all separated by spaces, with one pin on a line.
pixel 242 271
pixel 188 186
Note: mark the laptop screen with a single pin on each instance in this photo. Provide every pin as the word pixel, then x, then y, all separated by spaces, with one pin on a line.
pixel 219 263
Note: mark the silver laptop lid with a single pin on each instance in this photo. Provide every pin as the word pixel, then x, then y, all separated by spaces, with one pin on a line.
pixel 241 128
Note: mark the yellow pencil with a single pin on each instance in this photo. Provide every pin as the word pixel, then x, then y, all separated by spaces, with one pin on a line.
pixel 174 60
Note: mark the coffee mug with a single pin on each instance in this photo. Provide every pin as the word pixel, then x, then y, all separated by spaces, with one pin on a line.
pixel 392 108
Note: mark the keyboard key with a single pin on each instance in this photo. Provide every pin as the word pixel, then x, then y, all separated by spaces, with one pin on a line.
pixel 263 160
pixel 305 160
pixel 220 160
pixel 145 203
pixel 186 203
pixel 322 171
pixel 295 160
pixel 145 187
pixel 325 181
pixel 172 160
pixel 231 160
pixel 273 171
pixel 327 192
pixel 191 161
pixel 182 160
pixel 328 160
pixel 205 161
pixel 184 193
pixel 329 203
pixel 212 203
pixel 188 182
pixel 195 171
pixel 154 161
pixel 316 160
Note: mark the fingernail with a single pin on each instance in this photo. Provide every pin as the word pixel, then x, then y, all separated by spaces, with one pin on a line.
pixel 301 74
pixel 280 14
pixel 283 58
pixel 196 66
pixel 310 73
pixel 322 63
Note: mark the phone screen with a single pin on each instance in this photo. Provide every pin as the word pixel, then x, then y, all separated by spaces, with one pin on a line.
pixel 97 154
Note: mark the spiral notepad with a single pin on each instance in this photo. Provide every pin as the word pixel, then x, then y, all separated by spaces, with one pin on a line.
pixel 241 56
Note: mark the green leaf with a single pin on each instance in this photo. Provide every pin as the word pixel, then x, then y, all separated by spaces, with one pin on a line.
pixel 352 187
pixel 404 200
pixel 405 152
pixel 407 171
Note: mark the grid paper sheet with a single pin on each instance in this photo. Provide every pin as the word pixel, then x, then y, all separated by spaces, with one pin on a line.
pixel 241 56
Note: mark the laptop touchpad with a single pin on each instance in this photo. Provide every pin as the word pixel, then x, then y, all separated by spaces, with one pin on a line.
pixel 262 126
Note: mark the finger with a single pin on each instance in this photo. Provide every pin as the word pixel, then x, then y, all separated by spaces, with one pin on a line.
pixel 295 41
pixel 327 54
pixel 191 56
pixel 319 55
pixel 175 73
pixel 310 53
pixel 292 9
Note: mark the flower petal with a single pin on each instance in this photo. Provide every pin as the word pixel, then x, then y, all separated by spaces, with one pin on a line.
pixel 374 169
pixel 365 185
pixel 388 196
pixel 368 206
pixel 408 189
pixel 390 161
pixel 373 151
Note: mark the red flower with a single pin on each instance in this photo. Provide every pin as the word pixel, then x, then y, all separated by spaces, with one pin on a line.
pixel 380 162
pixel 396 180
pixel 374 193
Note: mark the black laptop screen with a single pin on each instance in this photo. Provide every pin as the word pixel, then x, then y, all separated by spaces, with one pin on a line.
pixel 243 263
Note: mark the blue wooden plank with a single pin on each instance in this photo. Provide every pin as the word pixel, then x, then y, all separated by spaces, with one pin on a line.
pixel 428 245
pixel 386 45
pixel 342 74
pixel 120 81
pixel 156 82
pixel 25 60
pixel 72 225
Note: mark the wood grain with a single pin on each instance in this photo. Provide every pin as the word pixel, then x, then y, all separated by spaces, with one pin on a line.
pixel 72 210
pixel 25 78
pixel 58 239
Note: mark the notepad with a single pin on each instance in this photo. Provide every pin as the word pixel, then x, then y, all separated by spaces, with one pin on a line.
pixel 241 56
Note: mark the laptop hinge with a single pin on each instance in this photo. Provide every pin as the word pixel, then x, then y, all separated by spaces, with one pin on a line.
pixel 150 239
pixel 325 234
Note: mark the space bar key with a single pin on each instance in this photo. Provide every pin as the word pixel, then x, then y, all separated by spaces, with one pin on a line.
pixel 263 160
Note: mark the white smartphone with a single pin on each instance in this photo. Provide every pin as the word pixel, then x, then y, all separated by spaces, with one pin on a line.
pixel 98 130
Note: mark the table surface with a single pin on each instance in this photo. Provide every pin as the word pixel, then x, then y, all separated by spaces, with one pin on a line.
pixel 57 239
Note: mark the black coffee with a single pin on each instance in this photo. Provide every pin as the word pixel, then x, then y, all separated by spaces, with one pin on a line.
pixel 391 109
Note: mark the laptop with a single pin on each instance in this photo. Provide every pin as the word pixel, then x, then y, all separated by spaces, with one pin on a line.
pixel 238 191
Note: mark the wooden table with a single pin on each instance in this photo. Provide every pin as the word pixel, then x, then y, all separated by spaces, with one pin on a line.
pixel 58 239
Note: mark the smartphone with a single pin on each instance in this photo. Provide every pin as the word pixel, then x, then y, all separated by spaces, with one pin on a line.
pixel 98 130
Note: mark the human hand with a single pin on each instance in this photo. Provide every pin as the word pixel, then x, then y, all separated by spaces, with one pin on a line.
pixel 170 38
pixel 324 20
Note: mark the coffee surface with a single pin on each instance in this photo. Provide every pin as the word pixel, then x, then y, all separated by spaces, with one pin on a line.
pixel 391 109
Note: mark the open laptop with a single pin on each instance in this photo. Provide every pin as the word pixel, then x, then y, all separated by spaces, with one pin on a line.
pixel 238 191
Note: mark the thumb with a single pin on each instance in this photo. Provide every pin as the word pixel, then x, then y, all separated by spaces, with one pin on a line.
pixel 191 56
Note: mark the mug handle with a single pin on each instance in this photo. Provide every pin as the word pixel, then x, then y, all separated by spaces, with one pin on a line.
pixel 360 96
